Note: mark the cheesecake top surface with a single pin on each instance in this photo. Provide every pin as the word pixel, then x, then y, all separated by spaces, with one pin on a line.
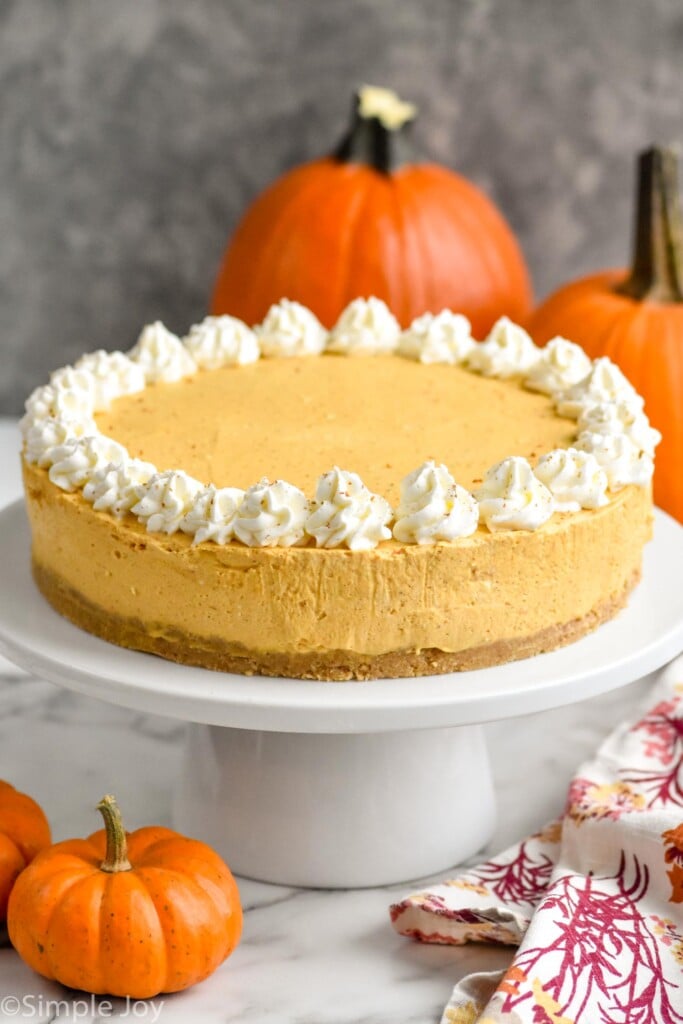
pixel 296 418
pixel 282 435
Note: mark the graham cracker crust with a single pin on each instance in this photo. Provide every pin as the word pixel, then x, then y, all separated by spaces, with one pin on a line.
pixel 336 666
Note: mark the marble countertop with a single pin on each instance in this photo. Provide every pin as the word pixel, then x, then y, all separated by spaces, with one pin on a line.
pixel 307 956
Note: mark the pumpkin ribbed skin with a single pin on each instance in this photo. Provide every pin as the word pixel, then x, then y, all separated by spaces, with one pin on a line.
pixel 646 340
pixel 24 832
pixel 161 926
pixel 421 238
pixel 371 220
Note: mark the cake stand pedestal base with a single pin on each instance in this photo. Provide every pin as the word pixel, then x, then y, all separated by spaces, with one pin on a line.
pixel 337 811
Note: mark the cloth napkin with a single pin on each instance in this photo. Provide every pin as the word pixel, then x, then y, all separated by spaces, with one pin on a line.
pixel 594 901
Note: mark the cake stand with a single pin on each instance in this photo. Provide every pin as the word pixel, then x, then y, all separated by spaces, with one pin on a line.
pixel 340 784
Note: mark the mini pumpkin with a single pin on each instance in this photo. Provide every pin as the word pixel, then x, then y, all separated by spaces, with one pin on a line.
pixel 24 832
pixel 372 219
pixel 636 317
pixel 126 914
pixel 673 856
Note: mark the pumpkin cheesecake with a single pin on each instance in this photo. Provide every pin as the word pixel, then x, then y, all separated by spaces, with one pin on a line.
pixel 350 504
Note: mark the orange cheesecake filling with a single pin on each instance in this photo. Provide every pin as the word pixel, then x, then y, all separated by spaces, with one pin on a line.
pixel 293 419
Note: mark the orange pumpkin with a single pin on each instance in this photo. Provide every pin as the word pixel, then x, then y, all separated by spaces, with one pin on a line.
pixel 125 915
pixel 24 832
pixel 673 855
pixel 636 317
pixel 372 220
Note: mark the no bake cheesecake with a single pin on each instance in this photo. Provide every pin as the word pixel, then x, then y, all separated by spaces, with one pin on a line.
pixel 354 504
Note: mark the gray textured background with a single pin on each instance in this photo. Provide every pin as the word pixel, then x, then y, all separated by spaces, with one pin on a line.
pixel 134 132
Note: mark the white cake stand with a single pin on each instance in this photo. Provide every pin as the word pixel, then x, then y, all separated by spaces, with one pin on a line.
pixel 340 784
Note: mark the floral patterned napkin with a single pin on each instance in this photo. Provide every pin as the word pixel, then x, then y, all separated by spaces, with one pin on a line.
pixel 594 901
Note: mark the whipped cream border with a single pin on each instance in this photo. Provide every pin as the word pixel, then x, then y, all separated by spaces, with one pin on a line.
pixel 60 435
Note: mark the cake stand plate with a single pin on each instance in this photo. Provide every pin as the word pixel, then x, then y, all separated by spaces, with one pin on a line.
pixel 340 784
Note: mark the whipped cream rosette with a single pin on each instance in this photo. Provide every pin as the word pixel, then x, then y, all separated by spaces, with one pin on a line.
pixel 622 460
pixel 433 507
pixel 574 478
pixel 344 513
pixel 116 487
pixel 165 499
pixel 113 375
pixel 513 498
pixel 290 329
pixel 442 338
pixel 75 462
pixel 271 514
pixel 367 327
pixel 560 365
pixel 603 383
pixel 508 351
pixel 162 355
pixel 222 341
pixel 625 416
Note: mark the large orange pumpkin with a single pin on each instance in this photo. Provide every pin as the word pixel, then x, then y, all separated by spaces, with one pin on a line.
pixel 125 915
pixel 24 832
pixel 373 220
pixel 636 317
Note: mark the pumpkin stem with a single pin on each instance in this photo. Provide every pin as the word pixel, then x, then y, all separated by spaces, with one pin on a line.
pixel 116 858
pixel 656 271
pixel 378 132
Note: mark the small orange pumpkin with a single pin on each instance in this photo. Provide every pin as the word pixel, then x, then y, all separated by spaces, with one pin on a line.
pixel 24 832
pixel 373 220
pixel 125 914
pixel 636 317
pixel 673 855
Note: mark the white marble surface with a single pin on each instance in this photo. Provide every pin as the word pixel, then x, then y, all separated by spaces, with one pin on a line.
pixel 307 957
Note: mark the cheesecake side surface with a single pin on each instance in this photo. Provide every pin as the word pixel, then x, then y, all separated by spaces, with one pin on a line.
pixel 336 614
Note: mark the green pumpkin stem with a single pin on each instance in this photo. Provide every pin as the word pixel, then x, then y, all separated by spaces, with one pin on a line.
pixel 657 268
pixel 116 858
pixel 378 135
